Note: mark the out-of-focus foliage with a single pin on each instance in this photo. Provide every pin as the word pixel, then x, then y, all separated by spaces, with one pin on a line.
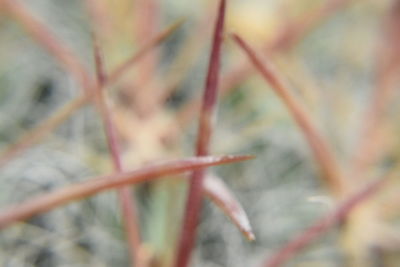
pixel 331 68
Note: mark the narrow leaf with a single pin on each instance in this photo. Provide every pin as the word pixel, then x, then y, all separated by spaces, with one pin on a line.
pixel 285 39
pixel 126 199
pixel 146 18
pixel 49 201
pixel 195 192
pixel 38 133
pixel 322 152
pixel 157 40
pixel 219 193
pixel 296 29
pixel 40 32
pixel 99 62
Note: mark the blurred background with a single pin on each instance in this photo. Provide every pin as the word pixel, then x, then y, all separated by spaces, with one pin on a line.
pixel 334 54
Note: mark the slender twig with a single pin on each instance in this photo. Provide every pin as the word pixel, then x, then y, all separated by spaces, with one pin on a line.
pixel 40 32
pixel 65 55
pixel 194 197
pixel 101 75
pixel 300 242
pixel 67 59
pixel 293 32
pixel 49 201
pixel 44 128
pixel 322 152
pixel 153 42
pixel 146 20
pixel 286 38
pixel 127 201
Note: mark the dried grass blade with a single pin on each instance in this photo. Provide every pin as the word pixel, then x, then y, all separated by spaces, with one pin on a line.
pixel 195 192
pixel 127 202
pixel 144 50
pixel 49 201
pixel 322 152
pixel 99 63
pixel 283 41
pixel 145 21
pixel 295 30
pixel 321 226
pixel 219 193
pixel 47 39
pixel 36 134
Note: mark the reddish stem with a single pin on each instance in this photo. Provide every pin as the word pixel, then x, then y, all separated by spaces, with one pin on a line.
pixel 193 205
pixel 319 146
pixel 126 199
pixel 286 38
pixel 43 35
pixel 92 186
pixel 143 51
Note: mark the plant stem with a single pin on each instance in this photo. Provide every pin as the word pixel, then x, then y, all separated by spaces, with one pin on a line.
pixel 92 186
pixel 195 193
pixel 127 201
pixel 323 154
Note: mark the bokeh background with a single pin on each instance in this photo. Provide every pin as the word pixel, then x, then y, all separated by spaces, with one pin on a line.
pixel 330 52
